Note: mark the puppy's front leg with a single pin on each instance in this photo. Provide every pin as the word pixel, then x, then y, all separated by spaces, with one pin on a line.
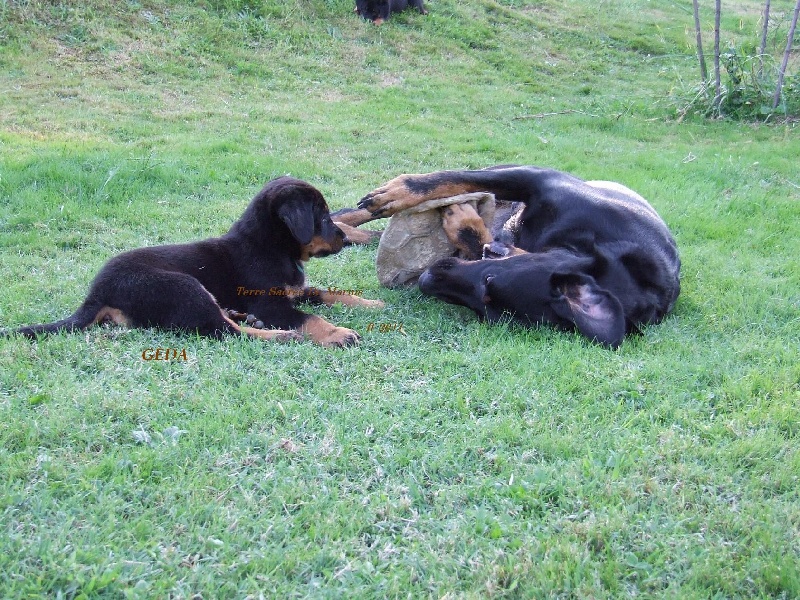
pixel 333 295
pixel 347 298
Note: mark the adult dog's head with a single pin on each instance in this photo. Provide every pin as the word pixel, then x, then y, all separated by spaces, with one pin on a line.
pixel 291 214
pixel 544 287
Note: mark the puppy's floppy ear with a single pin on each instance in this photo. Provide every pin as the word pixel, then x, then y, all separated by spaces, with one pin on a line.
pixel 297 214
pixel 596 312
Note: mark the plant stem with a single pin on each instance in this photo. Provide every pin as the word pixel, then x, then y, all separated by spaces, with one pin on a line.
pixel 790 40
pixel 717 83
pixel 764 31
pixel 699 36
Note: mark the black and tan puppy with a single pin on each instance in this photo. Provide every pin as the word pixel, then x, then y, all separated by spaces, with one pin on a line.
pixel 257 267
pixel 378 11
pixel 587 255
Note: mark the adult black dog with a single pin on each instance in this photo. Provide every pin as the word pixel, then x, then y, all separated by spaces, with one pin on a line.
pixel 257 267
pixel 378 11
pixel 587 255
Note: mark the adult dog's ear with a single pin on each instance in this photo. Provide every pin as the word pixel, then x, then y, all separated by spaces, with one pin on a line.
pixel 596 312
pixel 297 214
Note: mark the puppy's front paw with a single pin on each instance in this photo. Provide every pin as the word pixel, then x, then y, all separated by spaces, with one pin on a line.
pixel 366 303
pixel 340 337
pixel 327 334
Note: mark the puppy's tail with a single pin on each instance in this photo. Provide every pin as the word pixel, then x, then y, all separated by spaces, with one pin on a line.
pixel 82 318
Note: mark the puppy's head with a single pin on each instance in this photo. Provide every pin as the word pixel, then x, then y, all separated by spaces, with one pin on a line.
pixel 373 10
pixel 295 213
pixel 548 287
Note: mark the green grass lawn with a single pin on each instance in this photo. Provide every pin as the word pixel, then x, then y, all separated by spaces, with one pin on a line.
pixel 452 459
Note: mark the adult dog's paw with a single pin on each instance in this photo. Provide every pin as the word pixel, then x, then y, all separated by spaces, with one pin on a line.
pixel 392 197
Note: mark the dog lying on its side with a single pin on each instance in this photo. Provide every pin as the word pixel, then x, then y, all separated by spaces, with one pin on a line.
pixel 378 11
pixel 185 286
pixel 587 255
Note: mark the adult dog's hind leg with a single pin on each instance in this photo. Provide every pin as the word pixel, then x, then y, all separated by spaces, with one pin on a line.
pixel 466 230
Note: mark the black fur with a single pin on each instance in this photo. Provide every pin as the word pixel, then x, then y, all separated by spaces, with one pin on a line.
pixel 599 258
pixel 378 11
pixel 183 286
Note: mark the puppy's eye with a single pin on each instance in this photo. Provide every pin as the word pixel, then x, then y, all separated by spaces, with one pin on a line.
pixel 488 279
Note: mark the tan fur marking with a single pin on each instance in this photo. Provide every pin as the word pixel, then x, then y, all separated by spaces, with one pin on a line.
pixel 354 218
pixel 395 195
pixel 458 217
pixel 319 244
pixel 514 251
pixel 326 334
pixel 357 236
pixel 446 190
pixel 349 300
pixel 110 315
pixel 279 335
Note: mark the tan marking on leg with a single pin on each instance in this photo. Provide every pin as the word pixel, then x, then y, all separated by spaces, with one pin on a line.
pixel 108 314
pixel 326 334
pixel 446 190
pixel 354 218
pixel 357 236
pixel 395 195
pixel 329 299
pixel 460 218
pixel 278 335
